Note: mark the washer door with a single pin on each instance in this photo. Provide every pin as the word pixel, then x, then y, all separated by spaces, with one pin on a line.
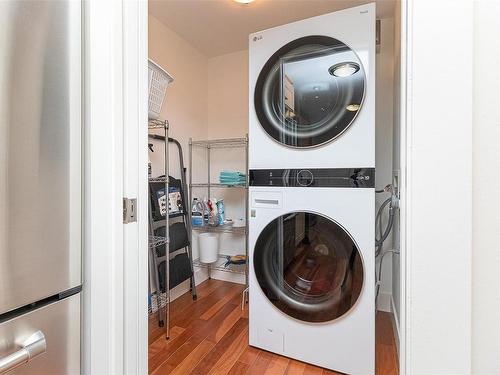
pixel 310 91
pixel 308 266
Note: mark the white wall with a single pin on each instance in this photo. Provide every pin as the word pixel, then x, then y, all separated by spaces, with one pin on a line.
pixel 228 118
pixel 228 95
pixel 384 144
pixel 396 166
pixel 439 182
pixel 486 191
pixel 186 100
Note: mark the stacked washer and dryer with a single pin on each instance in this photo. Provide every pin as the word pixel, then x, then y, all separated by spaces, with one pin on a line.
pixel 312 196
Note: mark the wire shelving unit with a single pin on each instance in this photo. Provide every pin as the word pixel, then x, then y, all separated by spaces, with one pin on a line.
pixel 162 300
pixel 208 145
pixel 220 265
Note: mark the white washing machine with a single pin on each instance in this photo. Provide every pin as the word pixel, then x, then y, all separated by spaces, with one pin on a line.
pixel 312 92
pixel 312 266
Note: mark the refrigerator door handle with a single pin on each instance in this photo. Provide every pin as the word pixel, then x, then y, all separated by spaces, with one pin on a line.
pixel 32 347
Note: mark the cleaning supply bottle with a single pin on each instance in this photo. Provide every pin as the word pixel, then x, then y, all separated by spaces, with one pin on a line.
pixel 206 209
pixel 196 214
pixel 221 211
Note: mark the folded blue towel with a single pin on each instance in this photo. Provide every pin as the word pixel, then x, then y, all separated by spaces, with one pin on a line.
pixel 233 182
pixel 232 178
pixel 232 174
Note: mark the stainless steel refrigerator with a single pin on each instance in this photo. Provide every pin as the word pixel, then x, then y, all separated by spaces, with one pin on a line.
pixel 40 186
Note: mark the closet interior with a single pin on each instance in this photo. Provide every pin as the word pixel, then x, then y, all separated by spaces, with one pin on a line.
pixel 199 154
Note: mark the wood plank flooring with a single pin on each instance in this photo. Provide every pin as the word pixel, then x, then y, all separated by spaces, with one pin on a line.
pixel 210 336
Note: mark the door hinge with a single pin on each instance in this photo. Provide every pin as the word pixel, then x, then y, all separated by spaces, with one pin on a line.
pixel 129 210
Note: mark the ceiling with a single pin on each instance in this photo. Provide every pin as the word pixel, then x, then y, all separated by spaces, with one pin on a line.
pixel 217 27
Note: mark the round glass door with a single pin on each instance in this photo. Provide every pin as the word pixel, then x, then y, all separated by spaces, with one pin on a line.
pixel 310 91
pixel 308 266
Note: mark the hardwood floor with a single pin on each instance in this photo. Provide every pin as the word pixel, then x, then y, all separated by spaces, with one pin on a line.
pixel 210 336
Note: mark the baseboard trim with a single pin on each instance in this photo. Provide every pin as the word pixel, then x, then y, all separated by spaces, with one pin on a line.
pixel 200 275
pixel 384 302
pixel 395 323
pixel 227 276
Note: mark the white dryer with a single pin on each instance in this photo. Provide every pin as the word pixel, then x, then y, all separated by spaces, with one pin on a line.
pixel 312 266
pixel 312 92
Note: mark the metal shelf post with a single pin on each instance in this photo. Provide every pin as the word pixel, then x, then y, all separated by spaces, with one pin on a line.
pixel 167 229
pixel 155 241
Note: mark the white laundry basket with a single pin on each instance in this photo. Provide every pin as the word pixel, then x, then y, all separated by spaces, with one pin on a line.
pixel 159 79
pixel 209 247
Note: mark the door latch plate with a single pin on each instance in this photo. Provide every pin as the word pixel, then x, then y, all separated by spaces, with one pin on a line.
pixel 129 210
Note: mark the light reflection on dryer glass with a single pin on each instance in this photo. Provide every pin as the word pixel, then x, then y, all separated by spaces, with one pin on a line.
pixel 301 104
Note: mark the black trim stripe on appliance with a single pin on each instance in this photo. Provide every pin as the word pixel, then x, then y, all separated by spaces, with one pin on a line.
pixel 39 304
pixel 320 177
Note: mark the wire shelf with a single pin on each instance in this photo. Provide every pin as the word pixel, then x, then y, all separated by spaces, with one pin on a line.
pixel 155 241
pixel 221 228
pixel 218 185
pixel 206 146
pixel 221 143
pixel 153 307
pixel 157 124
pixel 219 265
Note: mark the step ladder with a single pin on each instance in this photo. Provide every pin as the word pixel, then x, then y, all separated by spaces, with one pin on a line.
pixel 170 252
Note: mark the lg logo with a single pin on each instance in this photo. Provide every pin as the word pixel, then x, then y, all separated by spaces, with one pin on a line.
pixel 256 38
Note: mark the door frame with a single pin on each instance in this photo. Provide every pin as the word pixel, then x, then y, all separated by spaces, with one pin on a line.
pixel 436 209
pixel 115 278
pixel 403 188
pixel 115 268
pixel 103 188
pixel 135 179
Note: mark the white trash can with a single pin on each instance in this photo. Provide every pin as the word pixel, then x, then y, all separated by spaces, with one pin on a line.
pixel 209 247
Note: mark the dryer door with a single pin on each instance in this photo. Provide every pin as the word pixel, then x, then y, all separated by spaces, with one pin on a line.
pixel 308 266
pixel 310 91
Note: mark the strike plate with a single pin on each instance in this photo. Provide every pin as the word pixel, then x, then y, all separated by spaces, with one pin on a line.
pixel 129 210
